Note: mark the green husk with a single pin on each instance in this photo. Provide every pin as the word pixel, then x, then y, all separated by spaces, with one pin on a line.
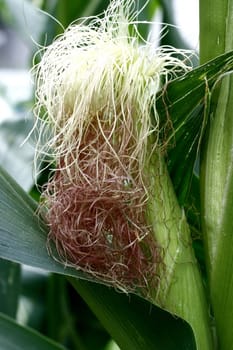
pixel 180 290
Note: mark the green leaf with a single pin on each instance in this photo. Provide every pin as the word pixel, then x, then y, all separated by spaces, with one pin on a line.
pixel 134 323
pixel 23 233
pixel 23 239
pixel 185 102
pixel 9 287
pixel 15 337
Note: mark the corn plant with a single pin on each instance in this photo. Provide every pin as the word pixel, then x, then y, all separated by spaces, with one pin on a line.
pixel 130 214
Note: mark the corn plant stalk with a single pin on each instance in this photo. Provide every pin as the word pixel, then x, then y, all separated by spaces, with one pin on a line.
pixel 180 289
pixel 216 25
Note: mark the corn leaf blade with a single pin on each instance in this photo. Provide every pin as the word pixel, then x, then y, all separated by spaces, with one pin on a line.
pixel 16 337
pixel 185 102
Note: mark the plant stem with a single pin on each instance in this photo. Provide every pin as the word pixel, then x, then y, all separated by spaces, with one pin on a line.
pixel 216 26
pixel 213 29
